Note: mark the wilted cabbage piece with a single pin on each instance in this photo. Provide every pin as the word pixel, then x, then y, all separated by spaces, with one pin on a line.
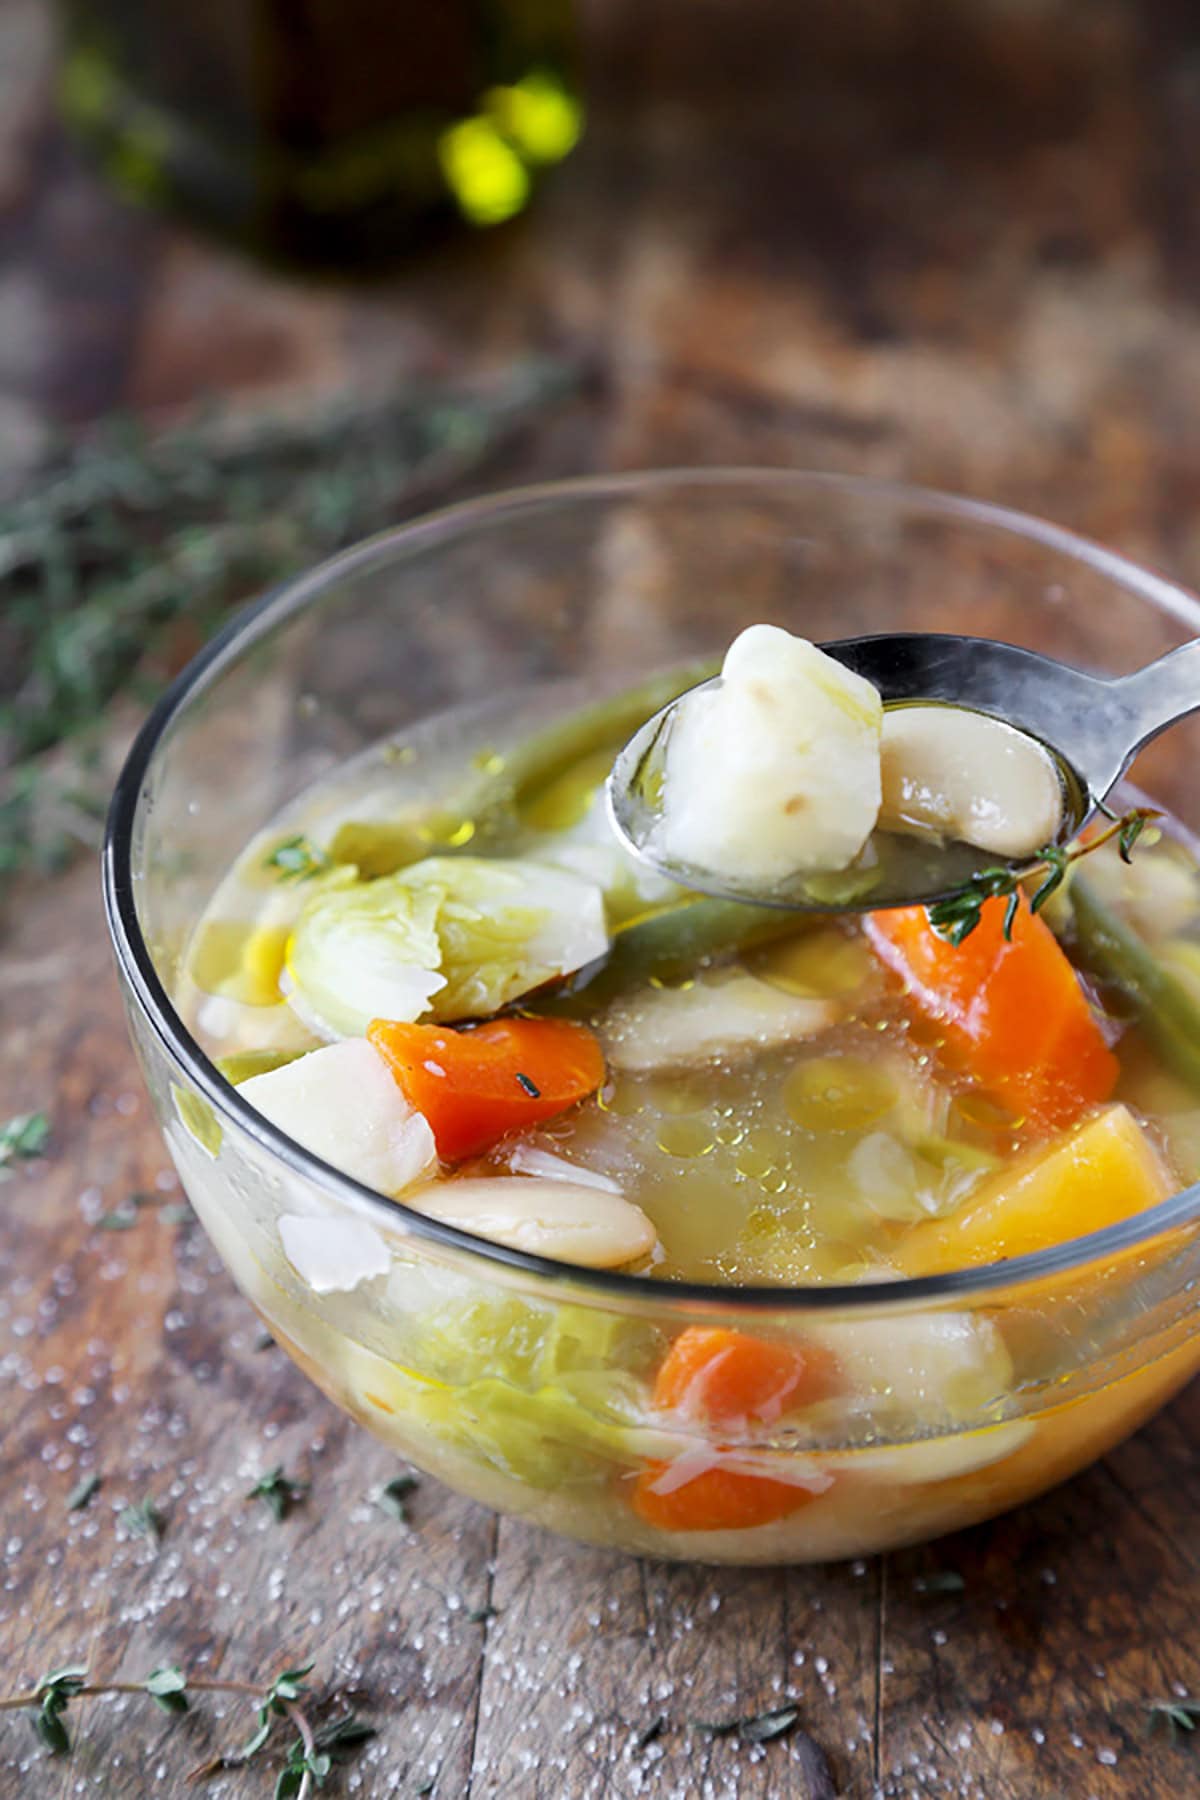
pixel 363 953
pixel 453 937
pixel 554 1396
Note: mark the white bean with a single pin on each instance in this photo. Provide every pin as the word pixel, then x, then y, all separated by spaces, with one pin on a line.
pixel 560 1219
pixel 967 776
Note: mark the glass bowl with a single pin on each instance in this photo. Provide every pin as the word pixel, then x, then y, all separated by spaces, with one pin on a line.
pixel 490 1368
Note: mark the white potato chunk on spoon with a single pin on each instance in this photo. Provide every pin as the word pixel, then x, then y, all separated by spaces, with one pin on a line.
pixel 994 734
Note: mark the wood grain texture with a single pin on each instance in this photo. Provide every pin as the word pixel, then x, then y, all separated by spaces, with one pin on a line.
pixel 952 240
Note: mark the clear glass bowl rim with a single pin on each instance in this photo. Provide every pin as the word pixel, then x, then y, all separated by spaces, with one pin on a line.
pixel 604 1286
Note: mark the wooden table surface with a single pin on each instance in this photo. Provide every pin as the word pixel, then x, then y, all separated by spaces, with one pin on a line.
pixel 952 242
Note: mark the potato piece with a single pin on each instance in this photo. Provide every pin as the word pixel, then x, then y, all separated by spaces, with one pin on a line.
pixel 928 1369
pixel 776 771
pixel 722 1015
pixel 1102 1171
pixel 963 775
pixel 333 1255
pixel 341 1103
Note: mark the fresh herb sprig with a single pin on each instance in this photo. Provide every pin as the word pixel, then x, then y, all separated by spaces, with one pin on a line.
pixel 118 557
pixel 393 1496
pixel 755 1728
pixel 957 916
pixel 142 1518
pixel 279 1492
pixel 21 1138
pixel 298 859
pixel 84 1492
pixel 1173 1716
pixel 308 1759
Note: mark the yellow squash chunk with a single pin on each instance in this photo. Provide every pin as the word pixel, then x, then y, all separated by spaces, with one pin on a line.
pixel 1100 1172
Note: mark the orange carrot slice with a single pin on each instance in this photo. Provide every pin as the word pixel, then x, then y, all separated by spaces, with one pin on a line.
pixel 476 1086
pixel 730 1380
pixel 1013 1013
pixel 716 1500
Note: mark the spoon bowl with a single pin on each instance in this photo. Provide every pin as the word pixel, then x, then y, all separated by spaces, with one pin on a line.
pixel 1091 726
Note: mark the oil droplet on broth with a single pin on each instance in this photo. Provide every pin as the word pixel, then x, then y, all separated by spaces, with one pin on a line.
pixel 755 1159
pixel 676 1097
pixel 838 1093
pixel 623 1098
pixel 685 1137
pixel 488 762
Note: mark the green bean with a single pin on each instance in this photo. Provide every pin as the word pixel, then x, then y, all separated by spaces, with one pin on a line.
pixel 532 765
pixel 381 847
pixel 240 1065
pixel 670 944
pixel 1112 951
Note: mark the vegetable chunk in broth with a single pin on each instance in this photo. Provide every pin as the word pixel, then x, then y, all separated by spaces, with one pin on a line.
pixel 439 971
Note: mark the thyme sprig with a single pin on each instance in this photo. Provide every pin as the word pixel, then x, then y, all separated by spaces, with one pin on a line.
pixel 279 1492
pixel 957 916
pixel 120 555
pixel 142 1518
pixel 1172 1716
pixel 308 1758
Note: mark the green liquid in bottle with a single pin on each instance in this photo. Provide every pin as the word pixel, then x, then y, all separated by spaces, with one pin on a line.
pixel 336 132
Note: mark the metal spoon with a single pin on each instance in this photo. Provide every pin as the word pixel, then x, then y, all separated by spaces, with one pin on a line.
pixel 1092 725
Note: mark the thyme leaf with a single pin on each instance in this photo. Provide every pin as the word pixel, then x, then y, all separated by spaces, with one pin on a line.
pixel 84 1491
pixel 1172 1716
pixel 143 1519
pixel 651 1732
pixel 21 1138
pixel 940 1581
pixel 755 1728
pixel 392 1497
pixel 297 859
pixel 279 1492
pixel 167 1686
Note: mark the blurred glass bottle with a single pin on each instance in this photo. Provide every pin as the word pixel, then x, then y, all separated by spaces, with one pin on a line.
pixel 335 132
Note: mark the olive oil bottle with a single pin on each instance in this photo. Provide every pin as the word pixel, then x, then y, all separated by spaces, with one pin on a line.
pixel 335 132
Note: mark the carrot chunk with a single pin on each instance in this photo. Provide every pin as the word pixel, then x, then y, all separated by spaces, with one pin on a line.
pixel 716 1500
pixel 476 1086
pixel 1012 1012
pixel 729 1380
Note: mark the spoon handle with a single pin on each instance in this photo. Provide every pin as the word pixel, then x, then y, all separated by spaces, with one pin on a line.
pixel 1161 693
